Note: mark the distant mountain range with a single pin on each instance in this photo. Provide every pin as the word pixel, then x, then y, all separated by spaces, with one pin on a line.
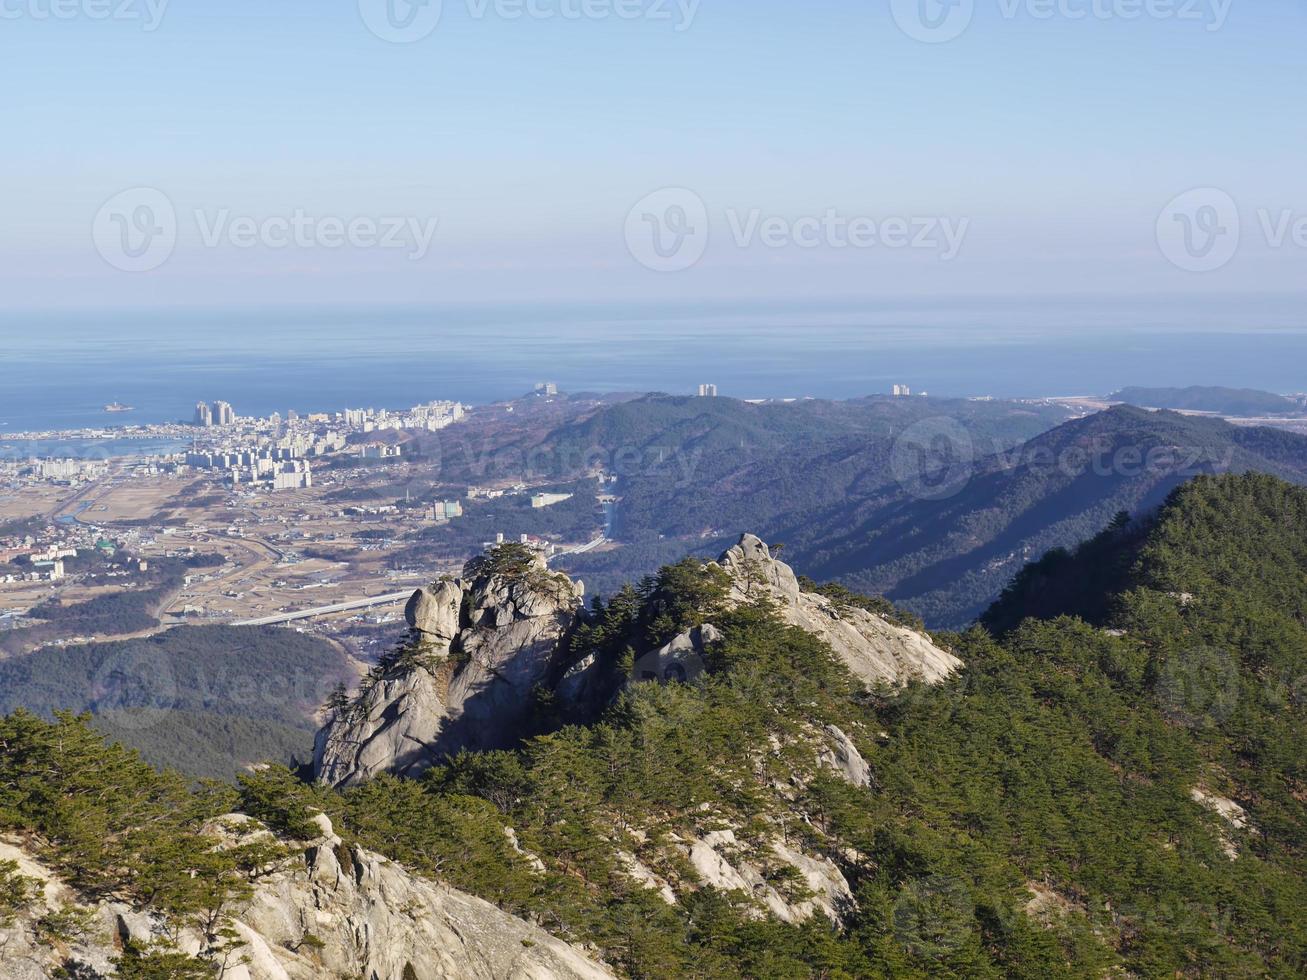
pixel 1237 402
pixel 947 557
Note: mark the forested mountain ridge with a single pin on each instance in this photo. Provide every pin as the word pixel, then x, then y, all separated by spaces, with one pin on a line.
pixel 1078 799
pixel 945 550
pixel 692 472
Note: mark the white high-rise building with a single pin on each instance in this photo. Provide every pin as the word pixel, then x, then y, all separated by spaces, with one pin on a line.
pixel 223 414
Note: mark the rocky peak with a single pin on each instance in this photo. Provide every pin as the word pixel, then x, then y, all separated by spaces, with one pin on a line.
pixel 480 646
pixel 874 649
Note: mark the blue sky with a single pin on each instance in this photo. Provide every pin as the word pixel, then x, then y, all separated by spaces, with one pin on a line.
pixel 1055 142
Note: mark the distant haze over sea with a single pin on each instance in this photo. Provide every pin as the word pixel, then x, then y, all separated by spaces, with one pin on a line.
pixel 61 370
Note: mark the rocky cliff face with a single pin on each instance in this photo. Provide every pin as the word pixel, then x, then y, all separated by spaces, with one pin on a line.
pixel 874 649
pixel 479 649
pixel 339 911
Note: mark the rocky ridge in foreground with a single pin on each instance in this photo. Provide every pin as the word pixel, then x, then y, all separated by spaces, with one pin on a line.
pixel 337 911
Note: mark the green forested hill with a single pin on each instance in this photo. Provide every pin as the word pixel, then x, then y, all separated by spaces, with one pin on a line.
pixel 1050 811
pixel 1214 586
pixel 204 700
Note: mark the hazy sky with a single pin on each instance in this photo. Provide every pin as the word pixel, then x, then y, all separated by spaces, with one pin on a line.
pixel 1035 152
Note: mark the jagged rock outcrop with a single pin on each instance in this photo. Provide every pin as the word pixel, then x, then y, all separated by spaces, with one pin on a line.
pixel 466 682
pixel 874 649
pixel 842 757
pixel 392 727
pixel 340 911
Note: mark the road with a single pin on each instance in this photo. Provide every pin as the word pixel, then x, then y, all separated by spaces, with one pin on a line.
pixel 582 549
pixel 380 600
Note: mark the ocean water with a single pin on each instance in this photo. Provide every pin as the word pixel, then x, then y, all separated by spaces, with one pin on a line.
pixel 57 372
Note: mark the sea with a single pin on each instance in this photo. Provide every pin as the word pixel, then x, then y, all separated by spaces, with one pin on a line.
pixel 59 371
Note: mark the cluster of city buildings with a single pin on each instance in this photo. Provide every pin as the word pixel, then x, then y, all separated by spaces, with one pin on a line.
pixel 707 391
pixel 65 471
pixel 41 571
pixel 275 453
pixel 903 391
pixel 494 493
pixel 430 417
pixel 276 467
pixel 540 546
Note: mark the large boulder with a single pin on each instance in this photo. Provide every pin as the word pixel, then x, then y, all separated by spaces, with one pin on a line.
pixel 434 611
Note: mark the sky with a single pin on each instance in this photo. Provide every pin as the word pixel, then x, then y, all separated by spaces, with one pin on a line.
pixel 184 154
